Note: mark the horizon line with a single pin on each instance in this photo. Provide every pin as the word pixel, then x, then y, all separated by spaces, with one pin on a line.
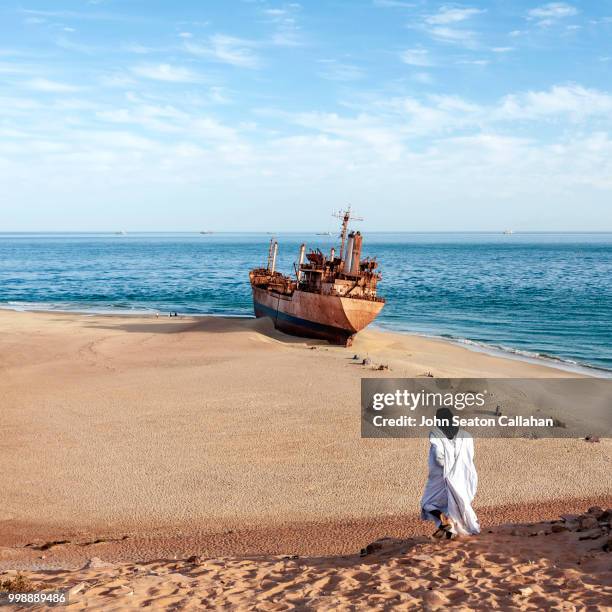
pixel 315 232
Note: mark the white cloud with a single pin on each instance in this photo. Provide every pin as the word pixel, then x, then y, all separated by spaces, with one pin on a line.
pixel 365 129
pixel 48 86
pixel 550 13
pixel 563 104
pixel 454 35
pixel 448 15
pixel 185 35
pixel 502 49
pixel 71 14
pixel 213 130
pixel 406 143
pixel 456 104
pixel 166 72
pixel 275 12
pixel 235 51
pixel 553 10
pixel 287 31
pixel 574 101
pixel 228 50
pixel 474 62
pixel 416 57
pixel 447 25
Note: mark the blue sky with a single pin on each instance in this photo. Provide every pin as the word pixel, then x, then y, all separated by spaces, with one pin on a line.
pixel 262 115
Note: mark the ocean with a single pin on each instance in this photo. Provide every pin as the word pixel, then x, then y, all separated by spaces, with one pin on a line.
pixel 536 296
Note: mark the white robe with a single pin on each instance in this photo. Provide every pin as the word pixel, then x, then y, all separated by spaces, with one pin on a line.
pixel 452 481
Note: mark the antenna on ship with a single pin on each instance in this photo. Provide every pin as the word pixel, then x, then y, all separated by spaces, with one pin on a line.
pixel 346 216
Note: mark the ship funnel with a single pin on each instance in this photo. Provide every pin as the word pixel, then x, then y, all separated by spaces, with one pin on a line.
pixel 356 257
pixel 348 255
pixel 274 253
pixel 270 249
pixel 301 261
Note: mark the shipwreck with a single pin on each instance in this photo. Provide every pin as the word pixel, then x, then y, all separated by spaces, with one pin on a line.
pixel 330 296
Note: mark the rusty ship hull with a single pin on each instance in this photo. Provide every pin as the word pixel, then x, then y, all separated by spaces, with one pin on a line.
pixel 333 318
pixel 331 297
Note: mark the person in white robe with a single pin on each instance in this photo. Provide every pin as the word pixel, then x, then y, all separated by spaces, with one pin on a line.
pixel 452 481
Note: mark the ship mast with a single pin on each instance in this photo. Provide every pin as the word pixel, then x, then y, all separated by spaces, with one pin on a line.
pixel 346 216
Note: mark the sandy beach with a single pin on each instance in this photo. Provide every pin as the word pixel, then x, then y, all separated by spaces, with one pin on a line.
pixel 553 565
pixel 140 438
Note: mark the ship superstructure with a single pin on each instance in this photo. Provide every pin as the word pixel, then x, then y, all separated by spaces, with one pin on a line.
pixel 331 296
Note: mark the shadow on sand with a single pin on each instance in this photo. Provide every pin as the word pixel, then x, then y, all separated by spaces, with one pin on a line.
pixel 204 324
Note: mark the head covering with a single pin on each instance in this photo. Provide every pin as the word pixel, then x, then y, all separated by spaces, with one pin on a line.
pixel 450 430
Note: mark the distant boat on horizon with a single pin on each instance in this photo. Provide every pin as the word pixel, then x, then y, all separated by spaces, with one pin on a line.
pixel 323 234
pixel 121 233
pixel 508 232
pixel 206 232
